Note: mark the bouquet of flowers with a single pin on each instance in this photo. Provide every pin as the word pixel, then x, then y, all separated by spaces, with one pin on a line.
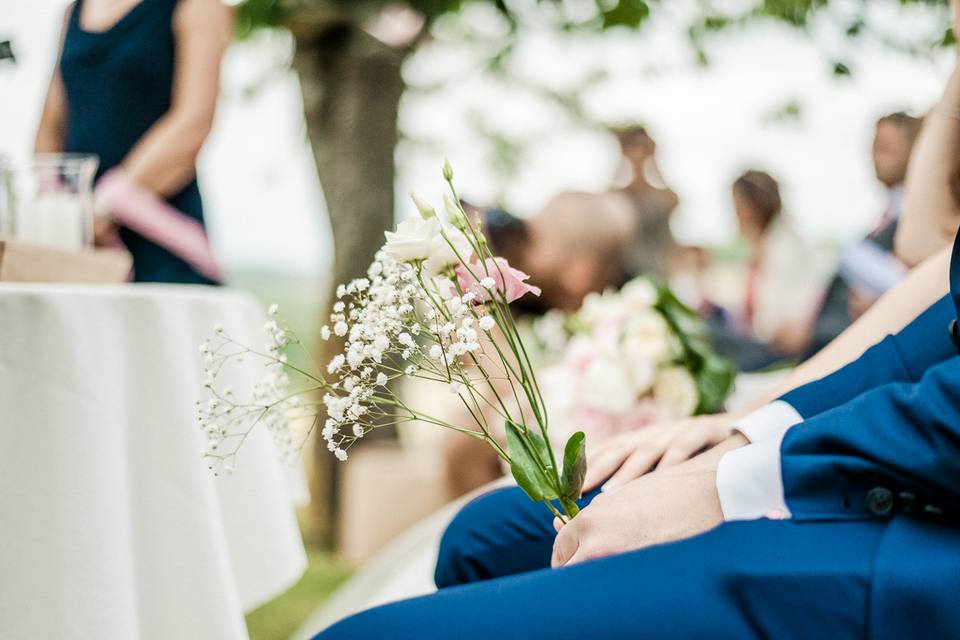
pixel 434 305
pixel 628 358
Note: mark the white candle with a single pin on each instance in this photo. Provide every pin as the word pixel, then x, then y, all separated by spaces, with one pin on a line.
pixel 53 219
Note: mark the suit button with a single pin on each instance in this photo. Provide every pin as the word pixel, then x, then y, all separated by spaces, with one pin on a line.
pixel 954 332
pixel 906 500
pixel 933 510
pixel 880 501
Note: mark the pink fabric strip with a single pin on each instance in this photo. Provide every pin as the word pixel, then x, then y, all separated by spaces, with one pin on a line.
pixel 143 212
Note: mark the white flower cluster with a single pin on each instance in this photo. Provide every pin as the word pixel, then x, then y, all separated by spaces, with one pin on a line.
pixel 226 420
pixel 401 319
pixel 623 352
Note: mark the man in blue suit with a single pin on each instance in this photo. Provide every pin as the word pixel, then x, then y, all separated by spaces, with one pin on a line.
pixel 838 519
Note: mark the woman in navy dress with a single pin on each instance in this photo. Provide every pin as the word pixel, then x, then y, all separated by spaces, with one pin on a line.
pixel 136 84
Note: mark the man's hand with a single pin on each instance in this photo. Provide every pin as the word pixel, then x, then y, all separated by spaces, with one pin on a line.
pixel 628 456
pixel 661 507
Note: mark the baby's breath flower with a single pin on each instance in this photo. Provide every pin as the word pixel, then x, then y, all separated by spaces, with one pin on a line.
pixel 487 323
pixel 336 363
pixel 488 283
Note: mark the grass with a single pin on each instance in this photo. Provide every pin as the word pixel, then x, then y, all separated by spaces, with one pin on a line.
pixel 279 618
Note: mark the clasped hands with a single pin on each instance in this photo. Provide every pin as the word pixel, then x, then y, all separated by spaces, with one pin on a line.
pixel 668 504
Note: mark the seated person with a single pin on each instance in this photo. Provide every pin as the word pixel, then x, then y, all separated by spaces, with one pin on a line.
pixel 769 326
pixel 843 303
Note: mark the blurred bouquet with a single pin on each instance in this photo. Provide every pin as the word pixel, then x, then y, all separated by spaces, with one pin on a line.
pixel 434 306
pixel 628 358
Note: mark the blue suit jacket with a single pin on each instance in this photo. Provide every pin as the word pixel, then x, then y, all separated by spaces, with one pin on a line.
pixel 891 451
pixel 903 357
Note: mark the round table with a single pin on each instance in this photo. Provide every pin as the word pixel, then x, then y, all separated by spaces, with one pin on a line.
pixel 112 525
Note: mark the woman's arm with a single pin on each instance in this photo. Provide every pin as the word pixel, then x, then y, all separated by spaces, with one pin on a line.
pixel 164 160
pixel 53 122
pixel 931 210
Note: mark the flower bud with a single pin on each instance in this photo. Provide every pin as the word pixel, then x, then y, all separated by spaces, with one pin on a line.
pixel 447 170
pixel 426 211
pixel 457 219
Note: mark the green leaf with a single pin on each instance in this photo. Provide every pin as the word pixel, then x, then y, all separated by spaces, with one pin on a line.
pixel 841 69
pixel 529 463
pixel 627 13
pixel 714 382
pixel 574 466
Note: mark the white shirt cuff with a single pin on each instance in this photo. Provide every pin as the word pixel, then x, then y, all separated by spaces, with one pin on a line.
pixel 750 482
pixel 768 421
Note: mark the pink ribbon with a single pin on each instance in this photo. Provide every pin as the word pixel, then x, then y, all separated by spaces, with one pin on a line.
pixel 140 210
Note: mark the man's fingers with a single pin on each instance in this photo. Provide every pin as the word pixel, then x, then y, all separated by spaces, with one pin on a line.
pixel 634 467
pixel 557 524
pixel 607 458
pixel 600 469
pixel 685 446
pixel 565 545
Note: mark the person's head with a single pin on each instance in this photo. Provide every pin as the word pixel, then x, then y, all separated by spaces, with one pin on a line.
pixel 756 200
pixel 577 245
pixel 636 145
pixel 892 143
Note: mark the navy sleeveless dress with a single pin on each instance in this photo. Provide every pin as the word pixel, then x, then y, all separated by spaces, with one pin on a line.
pixel 118 83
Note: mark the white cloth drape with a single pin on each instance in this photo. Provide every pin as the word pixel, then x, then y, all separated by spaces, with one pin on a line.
pixel 112 526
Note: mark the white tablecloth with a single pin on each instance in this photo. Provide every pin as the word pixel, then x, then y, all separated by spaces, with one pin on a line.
pixel 111 526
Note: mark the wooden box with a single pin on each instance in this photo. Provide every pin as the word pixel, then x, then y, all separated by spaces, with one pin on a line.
pixel 20 262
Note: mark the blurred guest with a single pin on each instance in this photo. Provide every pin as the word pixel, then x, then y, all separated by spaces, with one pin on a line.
pixel 784 280
pixel 652 200
pixel 136 84
pixel 577 244
pixel 859 282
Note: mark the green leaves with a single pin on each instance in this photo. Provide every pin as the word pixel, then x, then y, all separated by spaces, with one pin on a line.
pixel 714 375
pixel 530 463
pixel 531 466
pixel 626 13
pixel 574 466
pixel 714 383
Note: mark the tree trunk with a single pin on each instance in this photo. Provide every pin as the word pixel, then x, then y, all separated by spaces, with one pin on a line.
pixel 351 87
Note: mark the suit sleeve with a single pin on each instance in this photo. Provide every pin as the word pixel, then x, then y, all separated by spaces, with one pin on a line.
pixel 902 357
pixel 895 448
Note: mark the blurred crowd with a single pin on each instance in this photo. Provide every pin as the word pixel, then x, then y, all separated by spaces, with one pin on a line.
pixel 585 242
pixel 772 297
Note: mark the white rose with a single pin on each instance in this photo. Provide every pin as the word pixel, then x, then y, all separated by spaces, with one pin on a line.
pixel 605 308
pixel 639 293
pixel 442 254
pixel 412 240
pixel 606 386
pixel 647 336
pixel 642 372
pixel 676 390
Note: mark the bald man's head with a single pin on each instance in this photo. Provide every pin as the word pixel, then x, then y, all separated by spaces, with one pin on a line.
pixel 578 244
